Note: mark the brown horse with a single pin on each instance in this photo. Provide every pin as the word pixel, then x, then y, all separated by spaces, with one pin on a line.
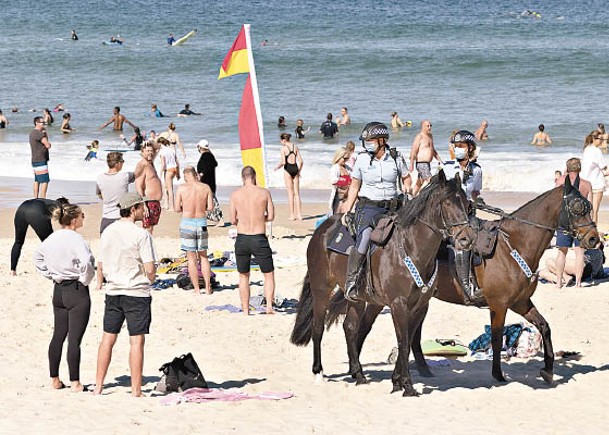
pixel 439 210
pixel 504 283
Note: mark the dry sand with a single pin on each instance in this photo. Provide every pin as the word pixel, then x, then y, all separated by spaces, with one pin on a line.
pixel 254 353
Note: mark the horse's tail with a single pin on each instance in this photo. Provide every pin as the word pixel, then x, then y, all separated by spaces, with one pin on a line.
pixel 303 326
pixel 336 309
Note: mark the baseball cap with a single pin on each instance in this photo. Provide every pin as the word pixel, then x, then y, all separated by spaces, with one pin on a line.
pixel 130 199
pixel 203 143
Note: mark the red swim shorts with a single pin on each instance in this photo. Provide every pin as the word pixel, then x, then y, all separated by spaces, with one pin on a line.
pixel 154 214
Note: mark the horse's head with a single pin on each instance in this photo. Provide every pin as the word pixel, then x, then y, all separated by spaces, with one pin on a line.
pixel 451 211
pixel 575 217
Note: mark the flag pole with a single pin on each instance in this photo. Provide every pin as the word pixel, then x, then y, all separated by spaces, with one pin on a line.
pixel 254 83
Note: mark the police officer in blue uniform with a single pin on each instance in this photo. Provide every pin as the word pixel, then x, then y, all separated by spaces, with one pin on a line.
pixel 376 178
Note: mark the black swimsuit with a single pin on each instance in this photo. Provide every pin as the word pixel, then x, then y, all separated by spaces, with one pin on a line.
pixel 291 168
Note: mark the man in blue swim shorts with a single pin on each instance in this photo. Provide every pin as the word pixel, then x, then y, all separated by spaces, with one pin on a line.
pixel 40 145
pixel 194 199
pixel 251 207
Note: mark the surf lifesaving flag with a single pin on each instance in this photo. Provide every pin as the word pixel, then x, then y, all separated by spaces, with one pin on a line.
pixel 239 60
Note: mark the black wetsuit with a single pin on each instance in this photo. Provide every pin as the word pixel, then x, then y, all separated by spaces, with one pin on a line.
pixel 37 214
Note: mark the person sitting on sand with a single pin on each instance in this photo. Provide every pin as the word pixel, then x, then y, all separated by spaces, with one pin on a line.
pixel 593 267
pixel 541 138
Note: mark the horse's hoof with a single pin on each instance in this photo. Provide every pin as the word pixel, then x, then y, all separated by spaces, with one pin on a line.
pixel 547 376
pixel 319 379
pixel 396 388
pixel 361 380
pixel 409 391
pixel 499 377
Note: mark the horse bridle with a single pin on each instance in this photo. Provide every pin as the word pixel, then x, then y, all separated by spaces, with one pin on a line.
pixel 570 207
pixel 447 227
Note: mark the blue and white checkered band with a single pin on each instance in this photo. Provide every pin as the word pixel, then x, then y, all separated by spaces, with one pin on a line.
pixel 523 264
pixel 416 276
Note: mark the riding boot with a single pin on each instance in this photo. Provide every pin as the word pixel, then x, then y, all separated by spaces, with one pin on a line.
pixel 463 267
pixel 353 267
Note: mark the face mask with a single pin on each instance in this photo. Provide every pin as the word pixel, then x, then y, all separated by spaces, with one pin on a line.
pixel 370 147
pixel 460 153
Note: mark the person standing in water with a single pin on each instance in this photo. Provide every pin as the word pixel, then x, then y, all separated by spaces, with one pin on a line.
pixel 117 120
pixel 541 138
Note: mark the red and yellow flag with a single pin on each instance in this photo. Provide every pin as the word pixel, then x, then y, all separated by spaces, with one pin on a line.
pixel 236 60
pixel 239 60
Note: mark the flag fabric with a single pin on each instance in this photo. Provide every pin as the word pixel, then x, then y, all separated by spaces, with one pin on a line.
pixel 236 60
pixel 239 60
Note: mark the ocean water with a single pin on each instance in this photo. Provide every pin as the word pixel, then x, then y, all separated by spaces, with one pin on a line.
pixel 453 62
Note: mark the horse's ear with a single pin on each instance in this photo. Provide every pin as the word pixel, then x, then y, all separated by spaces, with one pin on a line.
pixel 568 185
pixel 458 179
pixel 441 177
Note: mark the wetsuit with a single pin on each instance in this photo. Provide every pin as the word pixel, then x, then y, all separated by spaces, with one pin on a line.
pixel 291 168
pixel 37 214
pixel 299 132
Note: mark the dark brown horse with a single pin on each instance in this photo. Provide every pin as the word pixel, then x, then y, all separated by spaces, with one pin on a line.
pixel 439 210
pixel 504 283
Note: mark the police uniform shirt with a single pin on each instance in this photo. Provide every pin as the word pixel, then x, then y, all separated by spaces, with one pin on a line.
pixel 378 177
pixel 470 182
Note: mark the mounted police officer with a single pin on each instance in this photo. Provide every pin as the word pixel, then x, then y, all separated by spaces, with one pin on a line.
pixel 375 179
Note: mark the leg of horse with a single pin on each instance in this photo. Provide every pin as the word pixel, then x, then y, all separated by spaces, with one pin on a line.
pixel 417 351
pixel 351 326
pixel 497 324
pixel 530 313
pixel 370 314
pixel 317 332
pixel 401 374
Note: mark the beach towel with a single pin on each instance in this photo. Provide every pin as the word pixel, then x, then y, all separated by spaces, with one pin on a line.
pixel 510 338
pixel 201 395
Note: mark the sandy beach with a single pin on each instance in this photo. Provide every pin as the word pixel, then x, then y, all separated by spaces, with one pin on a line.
pixel 254 354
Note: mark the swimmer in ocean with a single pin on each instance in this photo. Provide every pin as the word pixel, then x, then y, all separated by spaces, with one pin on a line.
pixel 171 39
pixel 117 119
pixel 541 138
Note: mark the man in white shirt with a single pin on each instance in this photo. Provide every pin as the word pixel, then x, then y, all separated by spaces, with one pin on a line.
pixel 127 262
pixel 111 186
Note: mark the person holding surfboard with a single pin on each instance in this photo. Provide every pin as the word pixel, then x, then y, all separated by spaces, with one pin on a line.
pixel 171 39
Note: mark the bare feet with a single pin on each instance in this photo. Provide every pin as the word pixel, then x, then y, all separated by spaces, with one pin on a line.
pixel 57 384
pixel 137 394
pixel 269 312
pixel 98 389
pixel 13 273
pixel 77 387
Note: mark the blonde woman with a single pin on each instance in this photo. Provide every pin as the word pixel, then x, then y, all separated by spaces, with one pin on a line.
pixel 340 180
pixel 291 162
pixel 174 138
pixel 594 169
pixel 170 169
pixel 65 257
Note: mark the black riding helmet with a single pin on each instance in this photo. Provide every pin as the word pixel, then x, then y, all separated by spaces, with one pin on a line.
pixel 374 130
pixel 464 136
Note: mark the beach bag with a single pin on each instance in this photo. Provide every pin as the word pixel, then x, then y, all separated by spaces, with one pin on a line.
pixel 181 374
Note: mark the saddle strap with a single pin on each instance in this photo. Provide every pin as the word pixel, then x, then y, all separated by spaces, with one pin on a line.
pixel 517 257
pixel 416 276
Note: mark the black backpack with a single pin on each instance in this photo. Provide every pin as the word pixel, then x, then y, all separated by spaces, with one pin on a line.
pixel 182 373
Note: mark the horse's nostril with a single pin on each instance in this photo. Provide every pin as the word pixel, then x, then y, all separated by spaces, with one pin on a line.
pixel 593 241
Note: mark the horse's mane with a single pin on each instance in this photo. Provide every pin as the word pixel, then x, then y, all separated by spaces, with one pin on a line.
pixel 536 199
pixel 411 212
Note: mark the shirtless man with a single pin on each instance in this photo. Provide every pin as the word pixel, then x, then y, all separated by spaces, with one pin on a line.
pixel 118 120
pixel 345 120
pixel 541 138
pixel 148 184
pixel 251 207
pixel 396 122
pixel 423 152
pixel 194 199
pixel 481 132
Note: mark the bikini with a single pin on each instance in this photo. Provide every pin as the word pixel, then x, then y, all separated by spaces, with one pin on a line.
pixel 291 168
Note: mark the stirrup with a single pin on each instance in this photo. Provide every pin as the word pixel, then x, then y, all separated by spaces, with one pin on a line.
pixel 351 294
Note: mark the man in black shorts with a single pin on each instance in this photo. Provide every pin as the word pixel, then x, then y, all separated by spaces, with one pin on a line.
pixel 126 261
pixel 251 207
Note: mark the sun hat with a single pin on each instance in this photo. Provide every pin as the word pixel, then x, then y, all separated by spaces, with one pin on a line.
pixel 203 143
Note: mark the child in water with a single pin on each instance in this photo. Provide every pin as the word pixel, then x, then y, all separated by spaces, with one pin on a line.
pixel 92 154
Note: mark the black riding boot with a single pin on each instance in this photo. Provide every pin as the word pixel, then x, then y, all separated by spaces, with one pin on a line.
pixel 353 266
pixel 463 268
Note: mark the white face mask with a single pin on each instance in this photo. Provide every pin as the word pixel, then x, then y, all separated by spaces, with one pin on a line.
pixel 370 147
pixel 460 153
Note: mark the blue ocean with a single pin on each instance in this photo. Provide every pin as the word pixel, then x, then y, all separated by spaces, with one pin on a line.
pixel 454 62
